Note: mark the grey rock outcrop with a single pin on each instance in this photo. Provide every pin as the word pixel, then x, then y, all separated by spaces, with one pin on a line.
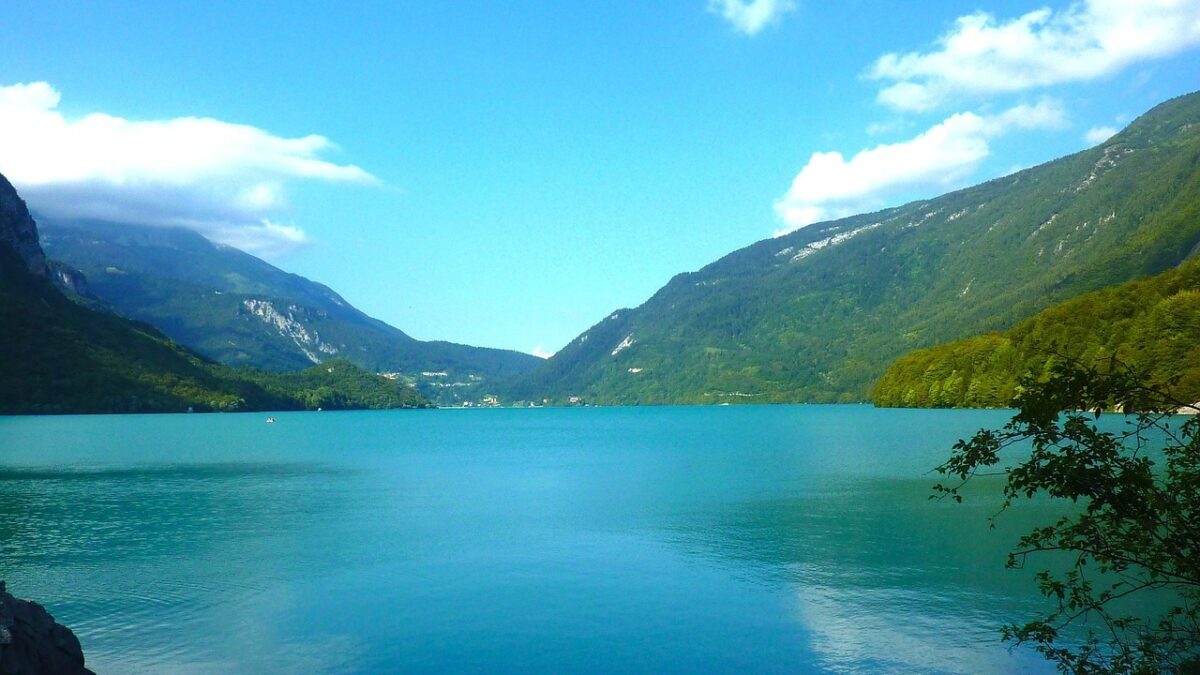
pixel 70 280
pixel 18 232
pixel 32 643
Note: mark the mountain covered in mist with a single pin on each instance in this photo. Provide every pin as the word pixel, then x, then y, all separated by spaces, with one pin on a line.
pixel 818 314
pixel 242 311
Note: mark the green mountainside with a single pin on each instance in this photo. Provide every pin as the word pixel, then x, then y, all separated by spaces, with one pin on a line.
pixel 336 385
pixel 242 311
pixel 817 315
pixel 62 357
pixel 1151 325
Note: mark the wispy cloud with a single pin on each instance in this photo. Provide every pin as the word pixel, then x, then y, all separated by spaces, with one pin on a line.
pixel 1097 135
pixel 542 353
pixel 983 55
pixel 889 127
pixel 831 186
pixel 225 180
pixel 751 16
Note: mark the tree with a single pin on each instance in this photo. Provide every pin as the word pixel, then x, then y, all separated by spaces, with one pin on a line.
pixel 1133 530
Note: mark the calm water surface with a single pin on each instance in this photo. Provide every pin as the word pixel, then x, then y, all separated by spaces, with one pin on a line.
pixel 732 539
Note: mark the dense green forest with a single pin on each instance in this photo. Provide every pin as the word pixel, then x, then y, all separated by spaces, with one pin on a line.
pixel 1151 326
pixel 336 385
pixel 817 315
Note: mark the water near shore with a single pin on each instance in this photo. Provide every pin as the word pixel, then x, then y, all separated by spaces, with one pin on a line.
pixel 733 539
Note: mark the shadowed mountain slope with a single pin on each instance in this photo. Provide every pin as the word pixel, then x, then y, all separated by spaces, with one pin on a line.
pixel 62 357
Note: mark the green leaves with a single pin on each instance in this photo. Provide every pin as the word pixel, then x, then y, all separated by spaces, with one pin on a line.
pixel 1134 528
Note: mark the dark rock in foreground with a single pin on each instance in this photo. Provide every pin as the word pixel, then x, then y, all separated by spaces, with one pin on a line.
pixel 32 643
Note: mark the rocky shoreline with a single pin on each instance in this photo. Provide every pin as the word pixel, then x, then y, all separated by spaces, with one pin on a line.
pixel 33 643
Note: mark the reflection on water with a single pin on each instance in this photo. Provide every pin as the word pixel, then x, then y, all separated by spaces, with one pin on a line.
pixel 144 556
pixel 886 579
pixel 767 539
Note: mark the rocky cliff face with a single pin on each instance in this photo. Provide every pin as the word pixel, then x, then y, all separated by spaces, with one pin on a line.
pixel 288 324
pixel 32 643
pixel 18 232
pixel 69 279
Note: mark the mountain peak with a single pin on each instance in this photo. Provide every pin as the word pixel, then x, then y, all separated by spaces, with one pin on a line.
pixel 18 231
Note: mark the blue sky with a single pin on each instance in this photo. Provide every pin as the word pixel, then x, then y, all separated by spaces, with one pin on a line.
pixel 506 174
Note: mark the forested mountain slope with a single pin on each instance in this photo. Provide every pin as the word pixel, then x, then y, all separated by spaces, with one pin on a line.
pixel 817 315
pixel 57 356
pixel 242 311
pixel 1151 325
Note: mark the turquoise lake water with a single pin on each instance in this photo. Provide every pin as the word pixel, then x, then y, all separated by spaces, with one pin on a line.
pixel 694 539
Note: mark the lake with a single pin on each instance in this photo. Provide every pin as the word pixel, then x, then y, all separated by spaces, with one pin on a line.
pixel 675 539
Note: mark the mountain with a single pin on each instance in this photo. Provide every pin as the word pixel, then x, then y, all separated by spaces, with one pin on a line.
pixel 21 253
pixel 63 357
pixel 1151 325
pixel 818 314
pixel 242 311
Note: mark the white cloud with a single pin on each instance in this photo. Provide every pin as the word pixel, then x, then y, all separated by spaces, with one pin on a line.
pixel 224 180
pixel 889 127
pixel 983 55
pixel 542 353
pixel 751 16
pixel 1097 135
pixel 830 186
pixel 265 238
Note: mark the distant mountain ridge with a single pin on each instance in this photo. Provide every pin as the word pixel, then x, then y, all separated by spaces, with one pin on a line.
pixel 818 314
pixel 240 310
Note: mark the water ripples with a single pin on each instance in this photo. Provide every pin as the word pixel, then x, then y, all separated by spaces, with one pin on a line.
pixel 511 540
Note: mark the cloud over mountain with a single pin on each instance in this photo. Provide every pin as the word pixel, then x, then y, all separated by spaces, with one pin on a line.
pixel 1097 135
pixel 226 180
pixel 983 62
pixel 831 186
pixel 983 55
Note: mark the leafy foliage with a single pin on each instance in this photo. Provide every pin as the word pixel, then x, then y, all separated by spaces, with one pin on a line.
pixel 1153 325
pixel 817 315
pixel 1136 530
